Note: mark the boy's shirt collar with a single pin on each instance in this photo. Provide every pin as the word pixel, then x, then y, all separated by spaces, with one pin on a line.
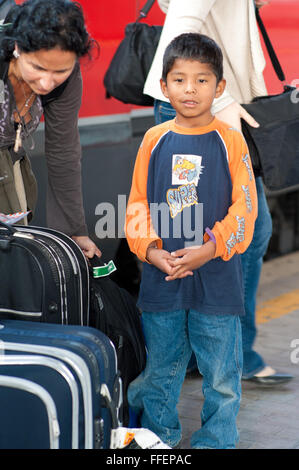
pixel 193 130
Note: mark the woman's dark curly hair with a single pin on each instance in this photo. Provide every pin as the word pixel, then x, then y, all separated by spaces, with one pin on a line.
pixel 45 24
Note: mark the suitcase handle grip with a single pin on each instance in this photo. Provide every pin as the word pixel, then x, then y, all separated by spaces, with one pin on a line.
pixel 5 242
pixel 95 261
pixel 9 228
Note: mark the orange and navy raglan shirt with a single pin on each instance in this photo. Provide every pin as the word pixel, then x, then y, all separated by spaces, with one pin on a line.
pixel 191 185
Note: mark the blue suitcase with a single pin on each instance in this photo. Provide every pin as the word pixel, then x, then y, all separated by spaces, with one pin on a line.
pixel 59 387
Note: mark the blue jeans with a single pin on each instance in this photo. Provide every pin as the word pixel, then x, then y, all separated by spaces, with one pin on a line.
pixel 252 261
pixel 163 111
pixel 154 394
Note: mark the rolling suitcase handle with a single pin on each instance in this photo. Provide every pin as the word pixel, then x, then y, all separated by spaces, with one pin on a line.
pixel 8 227
pixel 5 242
pixel 110 405
pixel 12 230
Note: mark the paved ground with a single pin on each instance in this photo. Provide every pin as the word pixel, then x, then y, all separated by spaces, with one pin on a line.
pixel 268 417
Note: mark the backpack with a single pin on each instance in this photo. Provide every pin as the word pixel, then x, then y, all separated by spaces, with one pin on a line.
pixel 114 312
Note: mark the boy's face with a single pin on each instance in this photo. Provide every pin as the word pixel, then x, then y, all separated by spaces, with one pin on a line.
pixel 191 88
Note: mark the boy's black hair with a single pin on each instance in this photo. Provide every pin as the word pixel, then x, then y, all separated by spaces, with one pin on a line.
pixel 193 46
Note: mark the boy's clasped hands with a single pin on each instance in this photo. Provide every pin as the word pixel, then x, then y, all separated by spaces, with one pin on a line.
pixel 180 263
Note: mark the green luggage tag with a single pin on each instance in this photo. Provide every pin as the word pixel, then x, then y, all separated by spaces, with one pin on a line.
pixel 101 271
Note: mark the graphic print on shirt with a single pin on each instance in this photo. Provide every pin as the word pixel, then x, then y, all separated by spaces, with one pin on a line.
pixel 186 169
pixel 245 159
pixel 181 197
pixel 239 237
pixel 245 188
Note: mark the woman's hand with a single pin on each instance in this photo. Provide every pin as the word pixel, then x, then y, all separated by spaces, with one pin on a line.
pixel 232 115
pixel 88 247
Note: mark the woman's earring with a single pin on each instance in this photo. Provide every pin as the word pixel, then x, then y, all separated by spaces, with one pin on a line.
pixel 16 54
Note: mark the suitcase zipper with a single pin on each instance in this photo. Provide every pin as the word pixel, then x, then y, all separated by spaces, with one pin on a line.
pixel 57 240
pixel 62 280
pixel 60 273
pixel 68 241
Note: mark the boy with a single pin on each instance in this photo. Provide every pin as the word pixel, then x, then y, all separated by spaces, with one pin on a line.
pixel 191 296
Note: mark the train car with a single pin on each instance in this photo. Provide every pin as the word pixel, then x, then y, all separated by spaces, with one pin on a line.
pixel 111 130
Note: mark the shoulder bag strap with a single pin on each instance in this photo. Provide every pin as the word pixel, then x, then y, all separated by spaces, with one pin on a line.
pixel 145 9
pixel 275 62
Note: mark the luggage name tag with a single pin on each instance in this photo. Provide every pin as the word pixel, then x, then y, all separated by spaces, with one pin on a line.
pixel 101 271
pixel 13 218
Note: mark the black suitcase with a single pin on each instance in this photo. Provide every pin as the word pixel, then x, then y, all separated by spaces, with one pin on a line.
pixel 59 387
pixel 44 276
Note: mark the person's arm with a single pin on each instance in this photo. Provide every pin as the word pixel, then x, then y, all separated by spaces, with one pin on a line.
pixel 227 109
pixel 63 153
pixel 234 233
pixel 186 16
pixel 141 236
pixel 139 230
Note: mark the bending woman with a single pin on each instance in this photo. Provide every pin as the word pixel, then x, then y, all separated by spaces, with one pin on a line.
pixel 41 44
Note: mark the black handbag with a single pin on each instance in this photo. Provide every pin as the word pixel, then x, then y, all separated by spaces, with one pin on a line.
pixel 274 146
pixel 127 72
